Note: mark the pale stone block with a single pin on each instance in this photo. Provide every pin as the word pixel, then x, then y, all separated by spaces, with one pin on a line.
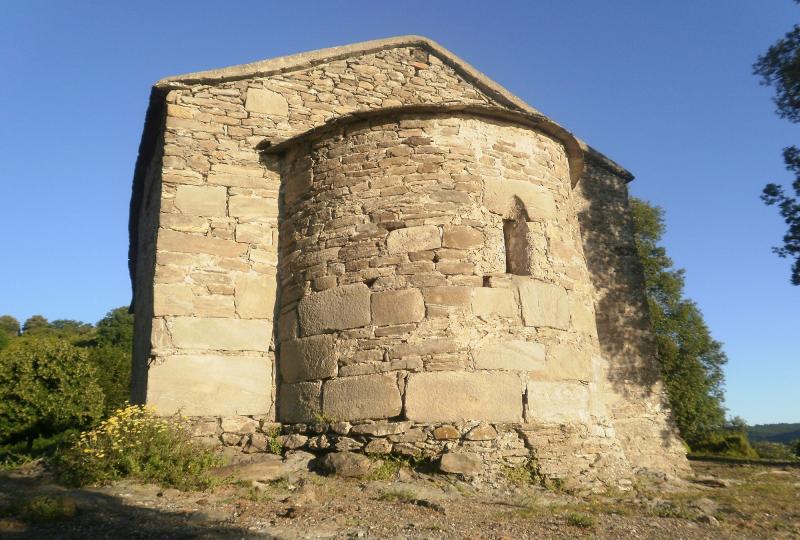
pixel 544 304
pixel 159 335
pixel 487 301
pixel 339 308
pixel 198 385
pixel 560 402
pixel 362 397
pixel 179 222
pixel 254 233
pixel 255 296
pixel 173 299
pixel 511 354
pixel 193 243
pixel 299 402
pixel 308 358
pixel 461 237
pixel 220 334
pixel 265 101
pixel 224 174
pixel 458 396
pixel 466 463
pixel 201 200
pixel 397 307
pixel 568 361
pixel 410 239
pixel 503 196
pixel 252 208
pixel 448 296
pixel 214 305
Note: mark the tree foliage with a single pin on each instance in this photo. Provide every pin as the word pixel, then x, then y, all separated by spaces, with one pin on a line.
pixel 66 359
pixel 9 326
pixel 779 67
pixel 46 387
pixel 690 359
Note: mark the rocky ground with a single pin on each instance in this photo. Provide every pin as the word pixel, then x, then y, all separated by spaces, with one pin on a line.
pixel 274 499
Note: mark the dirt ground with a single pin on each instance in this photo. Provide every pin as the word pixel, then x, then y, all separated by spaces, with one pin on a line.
pixel 731 501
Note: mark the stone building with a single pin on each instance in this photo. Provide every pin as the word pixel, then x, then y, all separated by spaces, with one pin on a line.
pixel 385 251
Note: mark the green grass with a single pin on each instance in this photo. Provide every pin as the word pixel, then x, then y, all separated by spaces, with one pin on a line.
pixel 584 521
pixel 394 495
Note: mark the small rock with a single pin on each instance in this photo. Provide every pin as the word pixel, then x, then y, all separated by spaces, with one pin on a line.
pixel 293 441
pixel 708 520
pixel 347 464
pixel 345 444
pixel 258 443
pixel 713 481
pixel 341 428
pixel 378 446
pixel 460 463
pixel 241 425
pixel 298 461
pixel 266 468
pixel 482 432
pixel 320 442
pixel 705 506
pixel 381 429
pixel 443 433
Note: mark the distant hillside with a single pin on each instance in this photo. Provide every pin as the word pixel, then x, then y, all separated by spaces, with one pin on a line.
pixel 782 433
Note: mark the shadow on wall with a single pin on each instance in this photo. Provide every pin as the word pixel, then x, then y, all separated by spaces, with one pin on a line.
pixel 622 315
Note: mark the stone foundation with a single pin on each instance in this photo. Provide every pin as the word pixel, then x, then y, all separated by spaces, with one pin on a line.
pixel 487 450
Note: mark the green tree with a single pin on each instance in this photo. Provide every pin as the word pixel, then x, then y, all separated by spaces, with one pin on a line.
pixel 35 324
pixel 46 387
pixel 110 353
pixel 780 67
pixel 116 329
pixel 796 447
pixel 4 340
pixel 9 325
pixel 690 359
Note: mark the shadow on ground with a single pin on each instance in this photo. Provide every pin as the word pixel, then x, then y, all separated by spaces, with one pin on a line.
pixel 101 515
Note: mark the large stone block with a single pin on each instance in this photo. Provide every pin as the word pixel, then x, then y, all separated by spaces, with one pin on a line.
pixel 569 361
pixel 173 299
pixel 458 396
pixel 488 301
pixel 255 296
pixel 209 201
pixel 559 402
pixel 180 242
pixel 461 237
pixel 265 101
pixel 339 308
pixel 308 358
pixel 544 304
pixel 420 238
pixel 503 196
pixel 252 208
pixel 220 334
pixel 198 385
pixel 447 296
pixel 510 354
pixel 299 402
pixel 362 397
pixel 397 307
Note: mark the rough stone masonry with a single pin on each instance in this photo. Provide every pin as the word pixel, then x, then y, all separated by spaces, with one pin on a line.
pixel 375 248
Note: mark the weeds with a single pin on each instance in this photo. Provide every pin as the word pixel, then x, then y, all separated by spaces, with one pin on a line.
pixel 583 521
pixel 44 509
pixel 135 443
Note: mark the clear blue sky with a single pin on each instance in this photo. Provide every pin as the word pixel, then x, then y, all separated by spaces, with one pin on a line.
pixel 664 88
